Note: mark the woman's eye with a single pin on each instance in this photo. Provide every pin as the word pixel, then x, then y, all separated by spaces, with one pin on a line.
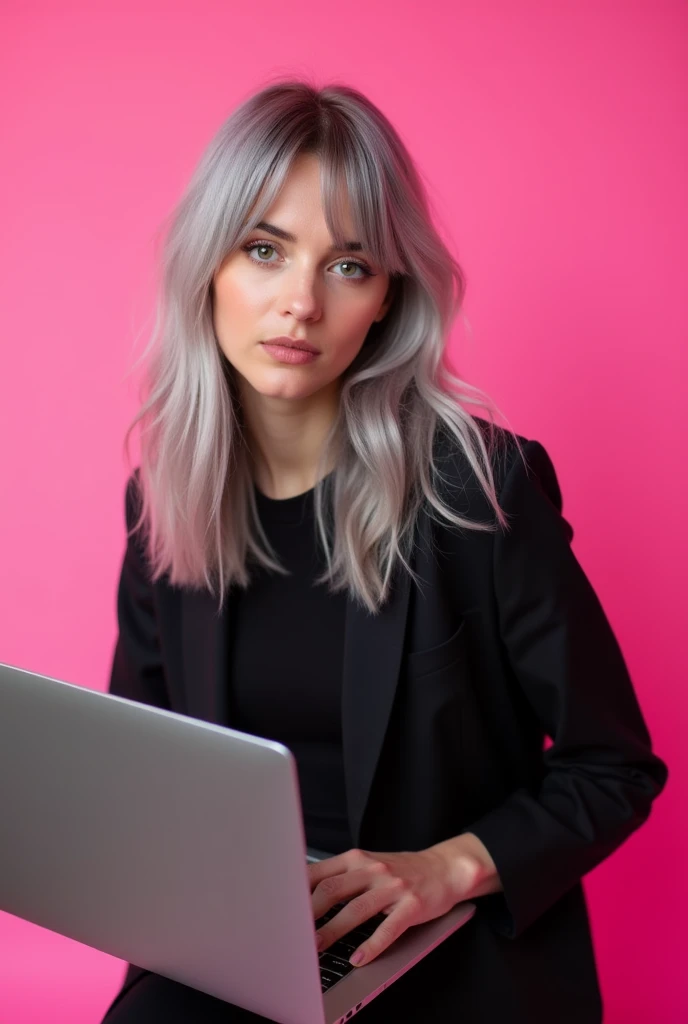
pixel 258 245
pixel 348 264
pixel 354 266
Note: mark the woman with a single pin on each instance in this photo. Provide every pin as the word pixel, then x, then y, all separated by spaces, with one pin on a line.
pixel 407 562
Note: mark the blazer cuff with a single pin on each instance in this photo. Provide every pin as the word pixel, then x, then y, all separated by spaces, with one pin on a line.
pixel 537 862
pixel 507 833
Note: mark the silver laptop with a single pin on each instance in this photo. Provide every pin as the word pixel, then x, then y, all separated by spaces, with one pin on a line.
pixel 177 845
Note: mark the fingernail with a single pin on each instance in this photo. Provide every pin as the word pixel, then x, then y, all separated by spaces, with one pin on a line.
pixel 357 957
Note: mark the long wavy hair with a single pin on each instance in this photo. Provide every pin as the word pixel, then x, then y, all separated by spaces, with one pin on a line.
pixel 196 500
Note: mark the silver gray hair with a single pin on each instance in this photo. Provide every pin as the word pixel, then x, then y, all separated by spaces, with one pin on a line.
pixel 197 504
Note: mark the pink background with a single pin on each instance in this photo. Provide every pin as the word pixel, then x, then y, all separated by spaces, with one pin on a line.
pixel 553 139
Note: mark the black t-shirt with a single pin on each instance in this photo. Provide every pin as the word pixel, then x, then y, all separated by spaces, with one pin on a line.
pixel 286 665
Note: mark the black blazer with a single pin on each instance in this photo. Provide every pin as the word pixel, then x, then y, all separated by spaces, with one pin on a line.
pixel 448 695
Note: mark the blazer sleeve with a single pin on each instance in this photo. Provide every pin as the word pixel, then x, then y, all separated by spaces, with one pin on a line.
pixel 137 670
pixel 600 774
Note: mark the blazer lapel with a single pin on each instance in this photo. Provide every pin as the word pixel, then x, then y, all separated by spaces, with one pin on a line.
pixel 205 654
pixel 373 647
pixel 373 651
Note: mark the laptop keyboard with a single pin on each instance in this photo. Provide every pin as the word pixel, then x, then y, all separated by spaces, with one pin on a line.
pixel 334 961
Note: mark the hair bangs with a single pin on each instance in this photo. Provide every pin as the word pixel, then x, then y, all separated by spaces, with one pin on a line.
pixel 353 193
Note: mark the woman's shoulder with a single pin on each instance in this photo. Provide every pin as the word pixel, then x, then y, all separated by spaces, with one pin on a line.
pixel 501 446
pixel 522 471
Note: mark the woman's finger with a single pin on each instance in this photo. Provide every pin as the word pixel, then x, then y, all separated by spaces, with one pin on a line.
pixel 360 909
pixel 342 862
pixel 336 888
pixel 403 916
pixel 344 884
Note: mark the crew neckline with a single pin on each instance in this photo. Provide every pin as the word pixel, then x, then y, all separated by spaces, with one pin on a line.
pixel 285 510
pixel 279 501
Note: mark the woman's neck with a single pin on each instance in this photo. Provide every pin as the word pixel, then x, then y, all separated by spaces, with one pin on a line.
pixel 286 439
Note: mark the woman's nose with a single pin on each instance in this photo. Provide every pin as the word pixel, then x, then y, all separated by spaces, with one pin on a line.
pixel 301 295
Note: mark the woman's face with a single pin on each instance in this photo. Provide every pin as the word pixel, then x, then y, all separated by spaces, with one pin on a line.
pixel 299 288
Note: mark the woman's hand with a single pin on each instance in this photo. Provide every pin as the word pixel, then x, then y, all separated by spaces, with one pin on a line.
pixel 409 888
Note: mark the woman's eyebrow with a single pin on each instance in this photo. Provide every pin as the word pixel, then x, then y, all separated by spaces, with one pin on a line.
pixel 288 237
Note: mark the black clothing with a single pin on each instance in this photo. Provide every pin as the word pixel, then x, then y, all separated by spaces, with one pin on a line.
pixel 447 695
pixel 285 673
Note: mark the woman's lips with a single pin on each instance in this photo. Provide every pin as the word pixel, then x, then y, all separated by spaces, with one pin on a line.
pixel 287 341
pixel 285 354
